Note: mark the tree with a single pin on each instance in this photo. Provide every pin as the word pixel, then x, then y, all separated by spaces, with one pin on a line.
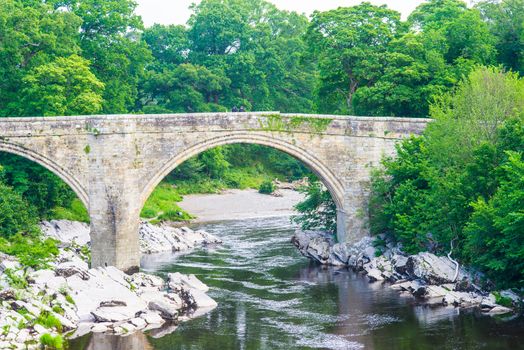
pixel 110 40
pixel 506 22
pixel 64 86
pixel 495 233
pixel 460 181
pixel 31 34
pixel 351 45
pixel 169 45
pixel 16 215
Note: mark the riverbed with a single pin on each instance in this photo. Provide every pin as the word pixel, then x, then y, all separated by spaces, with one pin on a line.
pixel 240 204
pixel 270 297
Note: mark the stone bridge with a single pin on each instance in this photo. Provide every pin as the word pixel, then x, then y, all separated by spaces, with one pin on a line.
pixel 114 162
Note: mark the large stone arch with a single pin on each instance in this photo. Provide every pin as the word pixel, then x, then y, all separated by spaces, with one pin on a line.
pixel 47 163
pixel 329 179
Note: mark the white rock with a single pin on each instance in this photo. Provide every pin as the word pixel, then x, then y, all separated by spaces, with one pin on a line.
pixel 9 264
pixel 40 277
pixel 202 299
pixel 499 310
pixel 128 327
pixel 66 231
pixel 375 275
pixel 431 268
pixel 40 329
pixel 113 314
pixel 177 280
pixel 152 318
pixel 56 283
pixel 165 307
pixel 99 328
pixel 138 322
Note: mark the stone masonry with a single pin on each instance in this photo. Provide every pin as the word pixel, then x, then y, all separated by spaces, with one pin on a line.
pixel 113 162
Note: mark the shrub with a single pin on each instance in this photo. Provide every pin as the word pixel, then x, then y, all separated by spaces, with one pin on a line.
pixel 318 210
pixel 267 187
pixel 16 215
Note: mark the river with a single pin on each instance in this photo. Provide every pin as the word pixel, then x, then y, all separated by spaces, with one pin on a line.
pixel 270 297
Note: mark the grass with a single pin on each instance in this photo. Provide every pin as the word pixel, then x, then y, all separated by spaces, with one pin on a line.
pixel 31 250
pixel 76 212
pixel 162 204
pixel 49 342
pixel 48 320
pixel 502 300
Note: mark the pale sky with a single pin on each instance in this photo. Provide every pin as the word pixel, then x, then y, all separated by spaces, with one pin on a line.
pixel 177 12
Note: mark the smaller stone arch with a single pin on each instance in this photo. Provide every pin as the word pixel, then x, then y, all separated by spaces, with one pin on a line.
pixel 321 170
pixel 56 169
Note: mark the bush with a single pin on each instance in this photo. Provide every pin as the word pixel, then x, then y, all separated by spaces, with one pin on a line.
pixel 16 215
pixel 267 187
pixel 318 210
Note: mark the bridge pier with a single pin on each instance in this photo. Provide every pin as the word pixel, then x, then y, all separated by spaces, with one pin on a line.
pixel 114 201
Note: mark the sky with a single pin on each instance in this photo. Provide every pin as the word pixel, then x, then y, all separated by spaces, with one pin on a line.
pixel 177 12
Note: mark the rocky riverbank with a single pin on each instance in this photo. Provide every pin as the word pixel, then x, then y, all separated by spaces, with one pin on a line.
pixel 67 299
pixel 433 280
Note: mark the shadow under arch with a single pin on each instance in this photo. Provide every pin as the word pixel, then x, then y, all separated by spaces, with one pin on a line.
pixel 63 174
pixel 322 171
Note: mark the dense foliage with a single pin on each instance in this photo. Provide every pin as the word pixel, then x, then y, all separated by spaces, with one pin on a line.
pixel 462 181
pixel 82 56
pixel 318 210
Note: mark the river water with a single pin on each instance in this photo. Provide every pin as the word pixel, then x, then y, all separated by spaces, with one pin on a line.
pixel 270 297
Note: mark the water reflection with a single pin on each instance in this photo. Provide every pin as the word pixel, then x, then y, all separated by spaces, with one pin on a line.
pixel 271 298
pixel 99 341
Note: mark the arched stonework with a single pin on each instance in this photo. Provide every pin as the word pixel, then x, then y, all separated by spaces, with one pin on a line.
pixel 53 167
pixel 325 175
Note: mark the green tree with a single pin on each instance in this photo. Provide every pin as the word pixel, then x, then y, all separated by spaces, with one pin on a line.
pixel 110 40
pixel 64 86
pixel 495 233
pixel 16 215
pixel 506 22
pixel 32 33
pixel 351 45
pixel 423 196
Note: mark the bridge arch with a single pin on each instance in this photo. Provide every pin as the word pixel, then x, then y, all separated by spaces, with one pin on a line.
pixel 47 163
pixel 313 163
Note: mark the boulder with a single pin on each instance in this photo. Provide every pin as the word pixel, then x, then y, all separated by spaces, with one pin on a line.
pixel 203 300
pixel 375 275
pixel 167 309
pixel 152 318
pixel 112 314
pixel 138 322
pixel 99 328
pixel 68 269
pixel 500 310
pixel 431 268
pixel 177 280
